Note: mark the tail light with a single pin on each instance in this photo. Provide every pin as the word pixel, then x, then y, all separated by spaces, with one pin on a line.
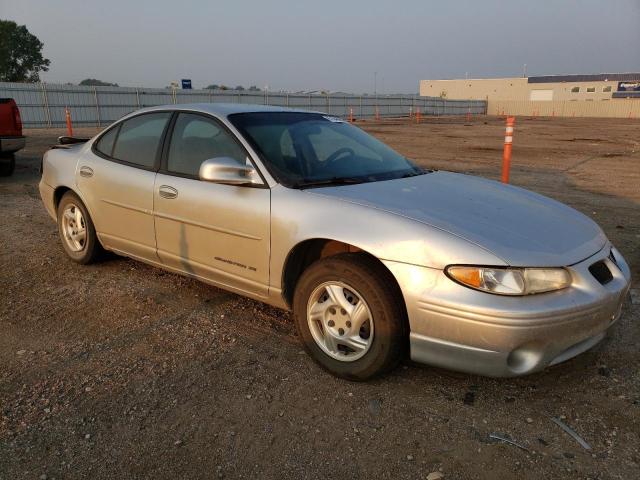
pixel 16 119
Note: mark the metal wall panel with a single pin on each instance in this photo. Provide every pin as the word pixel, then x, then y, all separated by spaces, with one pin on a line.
pixel 43 105
pixel 616 108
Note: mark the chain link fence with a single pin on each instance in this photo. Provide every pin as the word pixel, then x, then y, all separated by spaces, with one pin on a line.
pixel 43 104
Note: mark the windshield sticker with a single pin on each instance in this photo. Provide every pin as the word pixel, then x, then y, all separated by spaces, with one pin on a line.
pixel 334 119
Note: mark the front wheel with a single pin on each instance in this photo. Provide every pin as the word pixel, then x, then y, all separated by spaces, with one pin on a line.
pixel 350 317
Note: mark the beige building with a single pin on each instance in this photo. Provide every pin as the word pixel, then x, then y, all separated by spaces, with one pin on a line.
pixel 547 95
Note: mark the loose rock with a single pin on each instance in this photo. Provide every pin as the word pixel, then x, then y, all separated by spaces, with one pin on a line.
pixel 435 476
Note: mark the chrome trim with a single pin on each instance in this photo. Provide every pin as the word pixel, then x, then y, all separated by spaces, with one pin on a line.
pixel 86 171
pixel 168 192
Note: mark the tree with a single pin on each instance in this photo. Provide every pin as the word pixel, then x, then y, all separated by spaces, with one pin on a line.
pixel 253 88
pixel 21 57
pixel 240 87
pixel 94 82
pixel 213 86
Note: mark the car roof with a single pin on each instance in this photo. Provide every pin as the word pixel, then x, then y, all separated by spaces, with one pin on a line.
pixel 224 109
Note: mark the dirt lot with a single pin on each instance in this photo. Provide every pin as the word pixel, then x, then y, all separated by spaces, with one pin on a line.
pixel 119 370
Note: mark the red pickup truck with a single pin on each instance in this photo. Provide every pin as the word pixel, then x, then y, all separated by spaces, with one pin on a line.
pixel 11 138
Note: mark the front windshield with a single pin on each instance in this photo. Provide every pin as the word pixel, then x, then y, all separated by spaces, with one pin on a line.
pixel 310 149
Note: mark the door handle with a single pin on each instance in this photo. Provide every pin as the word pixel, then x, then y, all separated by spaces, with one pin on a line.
pixel 167 192
pixel 86 171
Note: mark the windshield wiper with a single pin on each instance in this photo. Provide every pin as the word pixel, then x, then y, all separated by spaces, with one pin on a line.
pixel 307 183
pixel 415 174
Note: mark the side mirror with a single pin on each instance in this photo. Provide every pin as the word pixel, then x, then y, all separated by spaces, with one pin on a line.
pixel 228 171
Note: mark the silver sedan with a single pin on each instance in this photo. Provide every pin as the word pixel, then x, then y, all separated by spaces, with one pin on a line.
pixel 374 255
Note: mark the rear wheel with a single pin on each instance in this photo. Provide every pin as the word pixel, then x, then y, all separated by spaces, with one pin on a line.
pixel 7 164
pixel 76 230
pixel 349 318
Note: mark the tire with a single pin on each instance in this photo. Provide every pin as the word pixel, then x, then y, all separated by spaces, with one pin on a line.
pixel 371 293
pixel 83 250
pixel 7 164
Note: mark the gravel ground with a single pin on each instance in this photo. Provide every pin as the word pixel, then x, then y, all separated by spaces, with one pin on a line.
pixel 120 370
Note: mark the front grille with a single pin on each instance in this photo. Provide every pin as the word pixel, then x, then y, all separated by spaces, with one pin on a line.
pixel 601 272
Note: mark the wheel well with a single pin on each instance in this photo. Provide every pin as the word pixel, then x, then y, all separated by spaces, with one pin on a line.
pixel 307 252
pixel 57 195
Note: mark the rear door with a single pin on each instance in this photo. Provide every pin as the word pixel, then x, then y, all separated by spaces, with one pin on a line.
pixel 220 233
pixel 116 180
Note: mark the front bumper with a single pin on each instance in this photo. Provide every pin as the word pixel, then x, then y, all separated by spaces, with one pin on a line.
pixel 462 329
pixel 12 144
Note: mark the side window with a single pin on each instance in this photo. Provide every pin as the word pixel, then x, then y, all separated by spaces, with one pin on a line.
pixel 196 139
pixel 139 139
pixel 105 144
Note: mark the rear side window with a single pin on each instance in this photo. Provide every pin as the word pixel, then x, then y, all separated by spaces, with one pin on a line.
pixel 139 139
pixel 105 144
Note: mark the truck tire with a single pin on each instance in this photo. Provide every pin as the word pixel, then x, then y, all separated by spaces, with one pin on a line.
pixel 7 164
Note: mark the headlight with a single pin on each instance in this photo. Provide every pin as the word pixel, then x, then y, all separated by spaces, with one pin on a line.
pixel 510 281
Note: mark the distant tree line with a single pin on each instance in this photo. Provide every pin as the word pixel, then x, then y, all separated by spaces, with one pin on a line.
pixel 215 86
pixel 94 82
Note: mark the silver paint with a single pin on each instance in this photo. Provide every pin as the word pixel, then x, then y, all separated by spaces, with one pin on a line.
pixel 240 237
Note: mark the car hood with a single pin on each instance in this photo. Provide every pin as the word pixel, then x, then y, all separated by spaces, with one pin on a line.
pixel 520 227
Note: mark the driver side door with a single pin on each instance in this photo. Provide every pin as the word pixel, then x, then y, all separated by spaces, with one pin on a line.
pixel 215 232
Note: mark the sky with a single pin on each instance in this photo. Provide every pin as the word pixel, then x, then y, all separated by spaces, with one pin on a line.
pixel 337 45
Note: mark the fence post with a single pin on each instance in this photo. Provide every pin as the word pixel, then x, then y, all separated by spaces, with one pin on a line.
pixel 95 96
pixel 287 99
pixel 45 99
pixel 138 97
pixel 361 116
